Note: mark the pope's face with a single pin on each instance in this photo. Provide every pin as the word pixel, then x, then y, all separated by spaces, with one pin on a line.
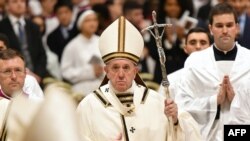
pixel 121 73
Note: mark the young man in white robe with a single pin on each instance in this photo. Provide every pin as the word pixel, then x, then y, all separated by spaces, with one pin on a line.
pixel 81 62
pixel 212 75
pixel 123 108
pixel 196 39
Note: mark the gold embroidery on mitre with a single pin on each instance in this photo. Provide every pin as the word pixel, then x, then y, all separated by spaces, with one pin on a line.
pixel 113 55
pixel 121 34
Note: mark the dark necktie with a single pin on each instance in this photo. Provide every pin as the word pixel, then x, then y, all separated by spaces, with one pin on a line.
pixel 24 46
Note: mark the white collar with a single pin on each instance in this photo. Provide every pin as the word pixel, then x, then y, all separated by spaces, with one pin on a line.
pixel 223 50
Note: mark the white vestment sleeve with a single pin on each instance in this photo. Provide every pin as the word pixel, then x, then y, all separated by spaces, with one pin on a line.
pixel 84 115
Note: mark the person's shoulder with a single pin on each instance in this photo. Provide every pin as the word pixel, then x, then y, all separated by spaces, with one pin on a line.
pixel 5 22
pixel 88 100
pixel 73 43
pixel 31 24
pixel 198 56
pixel 243 50
pixel 30 78
pixel 54 33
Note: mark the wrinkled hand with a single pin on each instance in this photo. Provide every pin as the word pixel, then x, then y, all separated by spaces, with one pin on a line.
pixel 171 109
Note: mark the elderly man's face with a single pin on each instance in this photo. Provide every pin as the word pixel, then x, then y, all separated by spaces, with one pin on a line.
pixel 12 75
pixel 121 73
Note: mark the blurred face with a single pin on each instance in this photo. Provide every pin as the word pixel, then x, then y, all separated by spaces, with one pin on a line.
pixel 116 9
pixel 40 22
pixel 89 24
pixel 239 5
pixel 196 41
pixel 76 2
pixel 2 45
pixel 173 8
pixel 93 2
pixel 135 17
pixel 48 5
pixel 16 7
pixel 224 29
pixel 121 73
pixel 12 75
pixel 64 15
pixel 2 2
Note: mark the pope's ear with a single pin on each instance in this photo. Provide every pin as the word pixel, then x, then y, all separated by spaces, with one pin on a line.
pixel 105 69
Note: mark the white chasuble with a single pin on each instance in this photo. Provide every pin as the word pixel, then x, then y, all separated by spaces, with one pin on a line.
pixel 104 118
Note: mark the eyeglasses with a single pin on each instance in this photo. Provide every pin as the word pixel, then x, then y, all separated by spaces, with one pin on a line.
pixel 16 71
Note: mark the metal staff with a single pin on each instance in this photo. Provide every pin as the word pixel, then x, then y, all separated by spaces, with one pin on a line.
pixel 162 58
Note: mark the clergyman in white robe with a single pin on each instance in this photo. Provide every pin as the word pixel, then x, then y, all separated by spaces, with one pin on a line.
pixel 201 83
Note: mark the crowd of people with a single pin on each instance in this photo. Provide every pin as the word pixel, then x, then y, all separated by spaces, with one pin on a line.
pixel 79 64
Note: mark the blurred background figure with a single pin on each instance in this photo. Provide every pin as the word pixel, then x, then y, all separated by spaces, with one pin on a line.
pixel 4 42
pixel 81 62
pixel 2 9
pixel 65 31
pixel 40 121
pixel 244 21
pixel 48 12
pixel 52 59
pixel 203 12
pixel 21 31
pixel 170 11
pixel 108 12
pixel 248 8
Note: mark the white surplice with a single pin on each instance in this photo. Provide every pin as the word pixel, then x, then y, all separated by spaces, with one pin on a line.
pixel 32 88
pixel 104 118
pixel 200 85
pixel 240 107
pixel 76 64
pixel 3 110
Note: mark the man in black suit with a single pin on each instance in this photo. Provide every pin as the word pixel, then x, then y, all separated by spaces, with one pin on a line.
pixel 66 30
pixel 244 21
pixel 25 37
